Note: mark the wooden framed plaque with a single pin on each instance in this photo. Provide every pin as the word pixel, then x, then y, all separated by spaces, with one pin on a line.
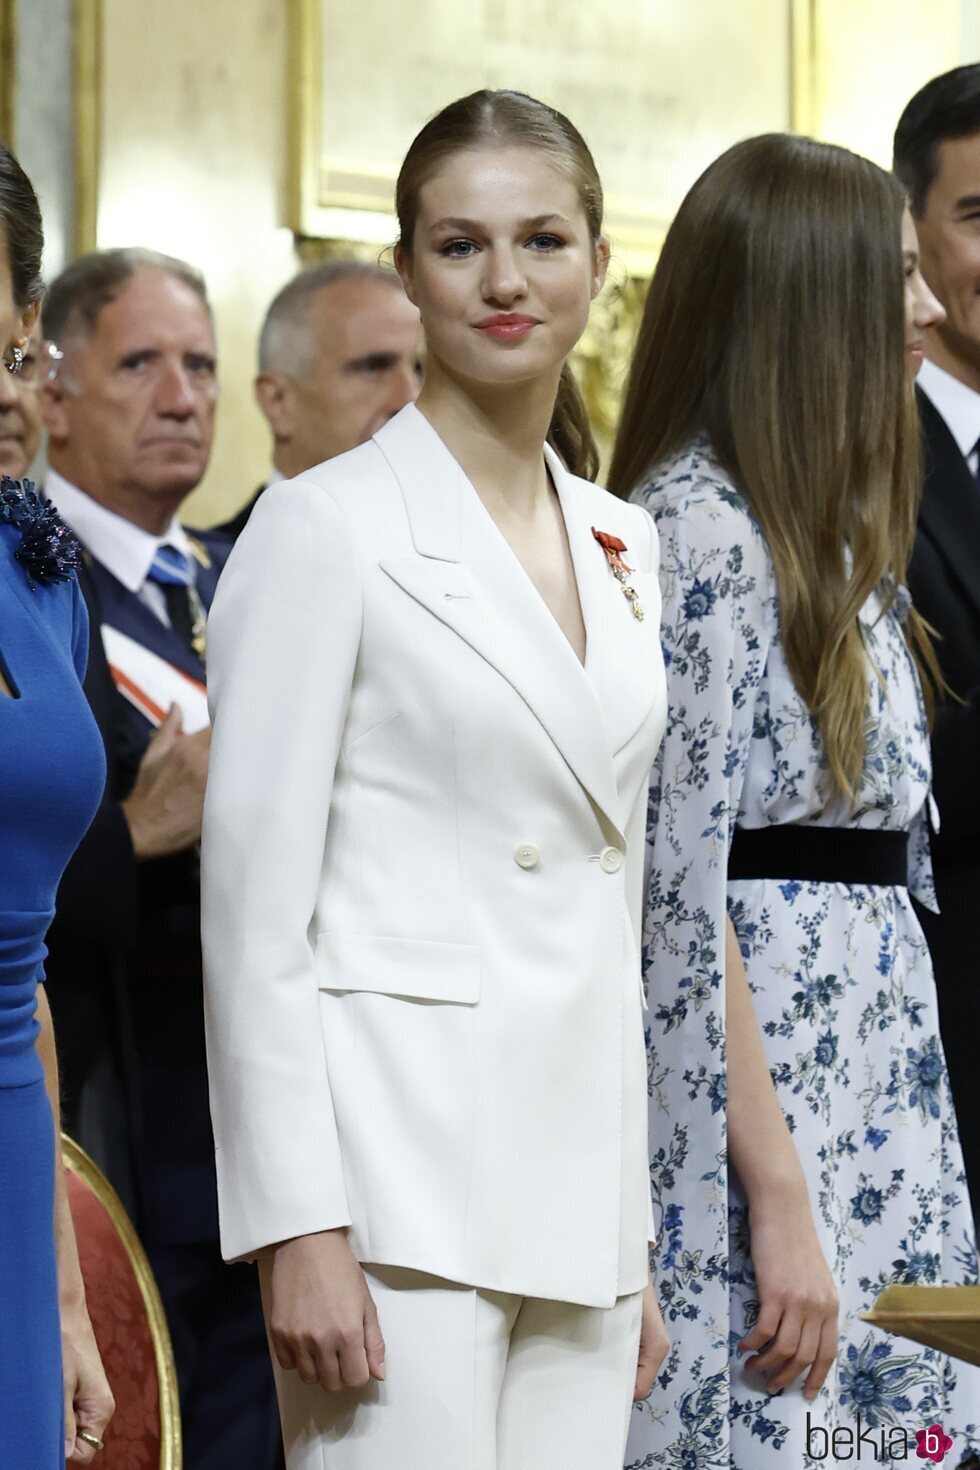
pixel 658 89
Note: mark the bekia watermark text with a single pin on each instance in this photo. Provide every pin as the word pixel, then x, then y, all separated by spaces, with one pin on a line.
pixel 884 1443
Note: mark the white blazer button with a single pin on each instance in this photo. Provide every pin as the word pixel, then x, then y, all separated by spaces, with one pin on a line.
pixel 610 859
pixel 527 856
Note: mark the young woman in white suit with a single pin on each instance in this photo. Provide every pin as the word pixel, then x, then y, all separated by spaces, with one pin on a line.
pixel 437 689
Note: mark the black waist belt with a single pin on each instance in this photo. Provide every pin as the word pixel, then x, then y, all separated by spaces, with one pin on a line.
pixel 820 855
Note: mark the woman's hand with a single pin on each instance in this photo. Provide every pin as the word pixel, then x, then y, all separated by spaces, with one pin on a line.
pixel 322 1319
pixel 89 1404
pixel 798 1302
pixel 654 1345
pixel 797 1297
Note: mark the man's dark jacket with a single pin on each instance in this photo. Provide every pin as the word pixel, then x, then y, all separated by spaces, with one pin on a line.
pixel 234 528
pixel 124 968
pixel 944 580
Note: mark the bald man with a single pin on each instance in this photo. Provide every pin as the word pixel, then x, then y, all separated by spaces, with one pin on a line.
pixel 338 357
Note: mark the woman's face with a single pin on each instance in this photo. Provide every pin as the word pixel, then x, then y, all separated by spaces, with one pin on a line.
pixel 16 323
pixel 922 310
pixel 20 411
pixel 503 267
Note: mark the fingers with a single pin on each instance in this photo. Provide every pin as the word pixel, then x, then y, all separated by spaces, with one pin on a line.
pixel 167 733
pixel 91 1416
pixel 647 1367
pixel 802 1338
pixel 311 1361
pixel 82 1453
pixel 781 1346
pixel 654 1346
pixel 373 1341
pixel 806 1351
pixel 764 1330
pixel 89 1421
pixel 338 1361
pixel 824 1359
pixel 69 1420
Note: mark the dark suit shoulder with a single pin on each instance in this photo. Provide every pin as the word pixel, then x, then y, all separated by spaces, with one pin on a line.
pixel 949 519
pixel 231 529
pixel 210 548
pixel 944 464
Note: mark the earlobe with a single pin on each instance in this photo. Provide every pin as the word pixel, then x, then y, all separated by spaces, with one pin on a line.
pixel 601 256
pixel 402 266
pixel 28 321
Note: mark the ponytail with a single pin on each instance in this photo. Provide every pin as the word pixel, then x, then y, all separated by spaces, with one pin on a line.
pixel 570 433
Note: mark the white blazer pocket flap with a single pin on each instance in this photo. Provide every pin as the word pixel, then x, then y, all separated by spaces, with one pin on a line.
pixel 418 969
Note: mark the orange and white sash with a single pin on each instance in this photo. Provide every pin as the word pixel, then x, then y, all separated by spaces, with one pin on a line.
pixel 152 684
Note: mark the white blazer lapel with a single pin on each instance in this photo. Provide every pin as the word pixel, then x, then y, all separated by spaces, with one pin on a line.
pixel 466 574
pixel 620 647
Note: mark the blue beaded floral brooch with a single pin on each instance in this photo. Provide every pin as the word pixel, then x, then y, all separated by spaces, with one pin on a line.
pixel 48 551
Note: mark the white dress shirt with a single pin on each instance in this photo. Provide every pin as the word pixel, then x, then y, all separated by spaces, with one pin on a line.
pixel 959 406
pixel 122 547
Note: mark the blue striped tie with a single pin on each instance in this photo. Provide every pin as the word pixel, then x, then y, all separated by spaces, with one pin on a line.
pixel 174 573
pixel 171 568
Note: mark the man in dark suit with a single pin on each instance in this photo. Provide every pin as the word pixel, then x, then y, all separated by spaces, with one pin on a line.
pixel 130 414
pixel 937 158
pixel 338 357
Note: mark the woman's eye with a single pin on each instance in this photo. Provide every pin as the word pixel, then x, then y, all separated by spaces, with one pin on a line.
pixel 546 242
pixel 458 249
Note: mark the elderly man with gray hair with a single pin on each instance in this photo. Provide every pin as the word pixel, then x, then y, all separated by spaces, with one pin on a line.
pixel 130 416
pixel 338 357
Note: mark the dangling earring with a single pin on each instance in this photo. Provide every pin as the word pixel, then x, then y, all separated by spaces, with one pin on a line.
pixel 16 361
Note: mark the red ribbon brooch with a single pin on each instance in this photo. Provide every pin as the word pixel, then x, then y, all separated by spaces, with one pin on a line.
pixel 612 546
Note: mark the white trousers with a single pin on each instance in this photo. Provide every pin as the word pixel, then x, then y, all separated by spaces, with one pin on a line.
pixel 476 1380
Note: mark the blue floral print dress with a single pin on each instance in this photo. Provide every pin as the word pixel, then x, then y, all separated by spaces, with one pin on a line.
pixel 844 994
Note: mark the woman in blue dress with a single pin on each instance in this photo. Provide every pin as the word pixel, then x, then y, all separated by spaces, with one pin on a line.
pixel 806 1153
pixel 54 1399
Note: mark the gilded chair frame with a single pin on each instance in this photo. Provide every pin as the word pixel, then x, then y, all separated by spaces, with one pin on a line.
pixel 78 1162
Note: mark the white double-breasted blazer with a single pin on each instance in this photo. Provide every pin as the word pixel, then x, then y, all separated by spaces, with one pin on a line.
pixel 422 871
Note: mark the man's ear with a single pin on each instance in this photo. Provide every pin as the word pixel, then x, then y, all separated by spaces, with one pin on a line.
pixel 274 395
pixel 54 408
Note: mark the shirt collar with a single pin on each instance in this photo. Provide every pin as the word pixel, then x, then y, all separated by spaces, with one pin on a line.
pixel 957 402
pixel 124 549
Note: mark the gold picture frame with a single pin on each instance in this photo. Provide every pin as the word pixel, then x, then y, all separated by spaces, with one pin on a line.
pixel 332 216
pixel 8 72
pixel 345 192
pixel 87 41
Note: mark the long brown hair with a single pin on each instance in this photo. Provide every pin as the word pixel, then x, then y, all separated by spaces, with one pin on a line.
pixel 775 322
pixel 488 119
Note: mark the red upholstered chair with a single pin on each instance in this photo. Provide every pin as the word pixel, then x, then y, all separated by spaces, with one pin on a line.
pixel 130 1328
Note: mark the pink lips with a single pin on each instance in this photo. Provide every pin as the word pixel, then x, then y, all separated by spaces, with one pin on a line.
pixel 915 354
pixel 507 327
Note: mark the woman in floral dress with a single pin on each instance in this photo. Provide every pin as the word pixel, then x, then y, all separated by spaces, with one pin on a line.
pixel 771 394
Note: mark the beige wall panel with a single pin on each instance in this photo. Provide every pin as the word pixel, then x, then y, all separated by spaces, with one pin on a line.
pixel 873 56
pixel 194 163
